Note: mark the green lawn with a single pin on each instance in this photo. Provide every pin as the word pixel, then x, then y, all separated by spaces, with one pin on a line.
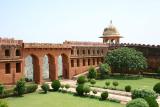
pixel 143 83
pixel 54 99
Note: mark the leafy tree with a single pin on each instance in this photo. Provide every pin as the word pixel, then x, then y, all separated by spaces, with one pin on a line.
pixel 104 70
pixel 115 84
pixel 126 59
pixel 107 83
pixel 92 73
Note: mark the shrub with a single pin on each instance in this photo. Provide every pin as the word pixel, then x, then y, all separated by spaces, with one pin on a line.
pixel 86 89
pixel 92 73
pixel 80 90
pixel 62 86
pixel 142 93
pixel 104 95
pixel 30 88
pixel 139 102
pixel 152 102
pixel 20 87
pixel 104 70
pixel 107 83
pixel 45 87
pixel 115 84
pixel 1 89
pixel 128 88
pixel 56 85
pixel 156 88
pixel 93 81
pixel 67 86
pixel 81 80
pixel 8 93
pixel 94 91
pixel 3 103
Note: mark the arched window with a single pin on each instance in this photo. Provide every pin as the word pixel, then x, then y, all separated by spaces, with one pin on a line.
pixel 18 52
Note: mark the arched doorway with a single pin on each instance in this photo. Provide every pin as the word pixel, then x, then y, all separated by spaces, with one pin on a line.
pixel 48 67
pixel 32 68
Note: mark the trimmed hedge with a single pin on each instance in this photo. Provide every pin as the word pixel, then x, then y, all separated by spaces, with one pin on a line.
pixel 30 88
pixel 156 88
pixel 139 102
pixel 152 102
pixel 80 90
pixel 104 95
pixel 45 87
pixel 81 80
pixel 56 85
pixel 128 88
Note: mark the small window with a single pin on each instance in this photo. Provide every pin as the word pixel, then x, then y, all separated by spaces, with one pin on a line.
pixel 102 51
pixel 78 64
pixel 7 52
pixel 97 61
pixel 88 52
pixel 18 67
pixel 97 51
pixel 88 61
pixel 72 52
pixel 83 52
pixel 18 52
pixel 72 63
pixel 7 68
pixel 93 52
pixel 77 52
pixel 84 63
pixel 93 61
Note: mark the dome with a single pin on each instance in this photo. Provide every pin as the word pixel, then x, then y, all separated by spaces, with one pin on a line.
pixel 111 31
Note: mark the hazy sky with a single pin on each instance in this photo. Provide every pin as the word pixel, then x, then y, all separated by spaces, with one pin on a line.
pixel 138 21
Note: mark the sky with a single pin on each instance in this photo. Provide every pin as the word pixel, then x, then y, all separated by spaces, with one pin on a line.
pixel 55 21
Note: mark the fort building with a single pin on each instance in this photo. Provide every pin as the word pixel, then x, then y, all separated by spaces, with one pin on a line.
pixel 77 56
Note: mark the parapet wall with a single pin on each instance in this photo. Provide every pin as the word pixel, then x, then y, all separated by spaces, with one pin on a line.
pixel 10 41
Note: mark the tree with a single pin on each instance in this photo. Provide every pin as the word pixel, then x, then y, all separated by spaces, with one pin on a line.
pixel 126 59
pixel 104 70
pixel 92 73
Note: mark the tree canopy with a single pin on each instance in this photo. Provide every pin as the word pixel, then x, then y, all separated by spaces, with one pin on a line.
pixel 126 59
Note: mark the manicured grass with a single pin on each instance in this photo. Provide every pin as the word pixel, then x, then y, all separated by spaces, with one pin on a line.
pixel 55 99
pixel 143 83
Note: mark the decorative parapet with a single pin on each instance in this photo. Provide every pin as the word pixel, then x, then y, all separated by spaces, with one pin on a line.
pixel 135 45
pixel 45 45
pixel 82 43
pixel 10 41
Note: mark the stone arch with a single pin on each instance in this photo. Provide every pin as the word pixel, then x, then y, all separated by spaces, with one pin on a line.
pixel 49 69
pixel 65 66
pixel 32 70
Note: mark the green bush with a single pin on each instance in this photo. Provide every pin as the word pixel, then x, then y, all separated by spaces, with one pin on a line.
pixel 3 103
pixel 67 86
pixel 92 73
pixel 104 95
pixel 80 90
pixel 56 85
pixel 152 102
pixel 94 91
pixel 20 87
pixel 1 89
pixel 62 86
pixel 115 84
pixel 156 88
pixel 30 88
pixel 128 88
pixel 92 81
pixel 45 87
pixel 81 80
pixel 139 102
pixel 104 70
pixel 8 93
pixel 86 89
pixel 142 93
pixel 107 83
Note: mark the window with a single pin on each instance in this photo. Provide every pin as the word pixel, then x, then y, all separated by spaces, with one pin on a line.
pixel 77 52
pixel 88 52
pixel 7 52
pixel 97 51
pixel 18 53
pixel 93 52
pixel 97 61
pixel 7 68
pixel 102 51
pixel 93 61
pixel 83 51
pixel 72 52
pixel 84 63
pixel 88 61
pixel 78 63
pixel 18 67
pixel 72 63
